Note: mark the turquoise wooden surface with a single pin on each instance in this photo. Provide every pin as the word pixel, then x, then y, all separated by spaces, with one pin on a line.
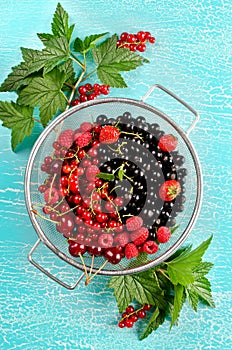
pixel 192 57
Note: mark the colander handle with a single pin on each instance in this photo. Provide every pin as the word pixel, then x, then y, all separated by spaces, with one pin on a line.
pixel 153 87
pixel 47 273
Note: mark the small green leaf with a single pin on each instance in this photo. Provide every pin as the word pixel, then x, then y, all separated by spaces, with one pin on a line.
pixel 157 319
pixel 105 176
pixel 178 303
pixel 19 119
pixel 46 93
pixel 91 40
pixel 60 25
pixel 179 273
pixel 120 174
pixel 78 45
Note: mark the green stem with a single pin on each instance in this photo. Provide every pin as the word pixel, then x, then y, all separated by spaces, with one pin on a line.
pixel 164 274
pixel 76 84
pixel 89 74
pixel 75 59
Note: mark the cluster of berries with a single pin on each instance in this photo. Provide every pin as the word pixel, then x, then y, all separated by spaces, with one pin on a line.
pixel 83 204
pixel 135 42
pixel 130 316
pixel 90 92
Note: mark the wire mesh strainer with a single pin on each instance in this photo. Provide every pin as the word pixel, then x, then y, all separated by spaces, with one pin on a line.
pixel 87 112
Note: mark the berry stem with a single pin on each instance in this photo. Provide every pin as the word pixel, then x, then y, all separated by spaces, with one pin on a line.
pixel 95 274
pixel 89 74
pixel 163 273
pixel 44 217
pixel 85 269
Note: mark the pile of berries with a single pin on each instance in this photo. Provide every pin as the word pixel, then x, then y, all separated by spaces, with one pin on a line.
pixel 135 42
pixel 95 190
pixel 89 92
pixel 130 316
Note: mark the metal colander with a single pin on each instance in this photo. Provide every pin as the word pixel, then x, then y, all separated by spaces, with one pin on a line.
pixel 87 112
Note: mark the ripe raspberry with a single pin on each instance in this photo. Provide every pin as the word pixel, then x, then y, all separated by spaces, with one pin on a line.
pixel 140 236
pixel 150 247
pixel 85 126
pixel 131 251
pixel 83 139
pixel 134 223
pixel 91 172
pixel 168 143
pixel 163 234
pixel 51 196
pixel 109 134
pixel 122 239
pixel 65 139
pixel 105 240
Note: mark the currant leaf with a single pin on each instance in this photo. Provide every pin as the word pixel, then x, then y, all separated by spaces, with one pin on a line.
pixel 46 93
pixel 202 288
pixel 60 26
pixel 124 290
pixel 105 176
pixel 112 60
pixel 45 37
pixel 16 78
pixel 83 46
pixel 68 69
pixel 157 319
pixel 178 302
pixel 19 119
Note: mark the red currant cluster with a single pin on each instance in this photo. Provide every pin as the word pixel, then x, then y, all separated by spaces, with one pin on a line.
pixel 135 42
pixel 130 316
pixel 90 92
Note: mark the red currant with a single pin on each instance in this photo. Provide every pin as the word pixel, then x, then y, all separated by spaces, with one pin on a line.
pixel 131 38
pixel 123 36
pixel 88 87
pixel 141 313
pixel 82 89
pixel 141 47
pixel 152 40
pixel 121 324
pixel 83 98
pixel 75 102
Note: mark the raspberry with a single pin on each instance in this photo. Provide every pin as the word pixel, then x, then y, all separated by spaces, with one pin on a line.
pixel 91 172
pixel 150 247
pixel 122 239
pixel 168 143
pixel 140 236
pixel 109 134
pixel 51 196
pixel 85 126
pixel 131 251
pixel 65 139
pixel 105 240
pixel 134 223
pixel 82 140
pixel 163 234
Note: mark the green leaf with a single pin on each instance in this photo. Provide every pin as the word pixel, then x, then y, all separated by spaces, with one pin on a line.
pixel 105 176
pixel 180 268
pixel 179 273
pixel 124 290
pixel 60 25
pixel 120 174
pixel 112 60
pixel 19 119
pixel 157 318
pixel 68 69
pixel 178 303
pixel 201 286
pixel 16 78
pixel 78 45
pixel 192 297
pixel 202 269
pixel 45 37
pixel 46 93
pixel 83 46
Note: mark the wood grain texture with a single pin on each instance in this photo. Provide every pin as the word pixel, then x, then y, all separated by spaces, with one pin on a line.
pixel 192 57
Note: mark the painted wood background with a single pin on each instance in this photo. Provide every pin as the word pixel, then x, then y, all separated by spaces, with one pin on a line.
pixel 192 57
